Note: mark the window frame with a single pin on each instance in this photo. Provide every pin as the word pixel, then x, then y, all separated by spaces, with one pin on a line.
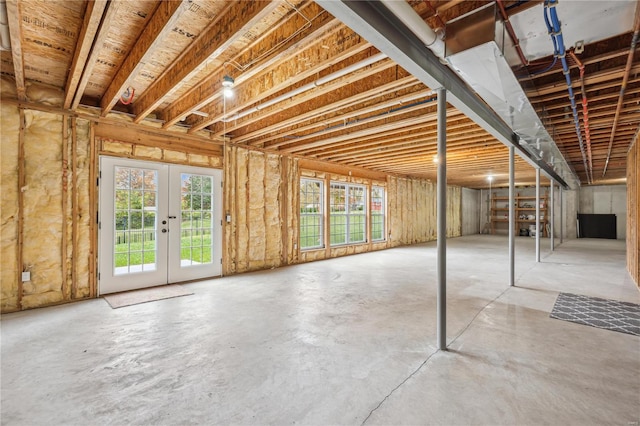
pixel 348 209
pixel 319 214
pixel 383 215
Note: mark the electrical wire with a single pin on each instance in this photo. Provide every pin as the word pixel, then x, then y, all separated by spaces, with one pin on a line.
pixel 127 97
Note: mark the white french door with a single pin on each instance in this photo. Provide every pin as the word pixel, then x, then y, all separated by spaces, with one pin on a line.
pixel 158 224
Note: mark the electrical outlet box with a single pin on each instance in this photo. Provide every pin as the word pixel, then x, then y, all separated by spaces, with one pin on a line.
pixel 26 276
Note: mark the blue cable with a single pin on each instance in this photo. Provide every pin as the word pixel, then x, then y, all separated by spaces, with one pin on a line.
pixel 555 31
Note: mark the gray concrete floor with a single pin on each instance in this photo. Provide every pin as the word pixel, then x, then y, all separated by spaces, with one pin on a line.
pixel 342 341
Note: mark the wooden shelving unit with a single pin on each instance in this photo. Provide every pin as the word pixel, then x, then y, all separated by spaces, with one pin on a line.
pixel 525 212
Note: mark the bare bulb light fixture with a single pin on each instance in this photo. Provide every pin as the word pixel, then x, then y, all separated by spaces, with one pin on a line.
pixel 227 86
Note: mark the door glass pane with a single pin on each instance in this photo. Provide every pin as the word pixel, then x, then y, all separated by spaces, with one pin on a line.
pixel 196 227
pixel 135 230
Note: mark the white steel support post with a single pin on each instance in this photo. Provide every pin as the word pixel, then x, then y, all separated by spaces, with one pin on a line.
pixel 538 230
pixel 512 217
pixel 442 219
pixel 552 203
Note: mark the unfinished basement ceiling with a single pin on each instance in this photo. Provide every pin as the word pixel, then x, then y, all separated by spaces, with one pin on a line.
pixel 305 84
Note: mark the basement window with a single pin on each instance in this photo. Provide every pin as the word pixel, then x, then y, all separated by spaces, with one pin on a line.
pixel 348 214
pixel 311 214
pixel 377 213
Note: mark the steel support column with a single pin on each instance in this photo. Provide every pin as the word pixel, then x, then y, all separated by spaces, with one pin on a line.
pixel 538 230
pixel 552 203
pixel 442 219
pixel 561 217
pixel 512 217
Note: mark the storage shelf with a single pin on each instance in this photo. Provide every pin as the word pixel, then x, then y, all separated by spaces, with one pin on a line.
pixel 531 200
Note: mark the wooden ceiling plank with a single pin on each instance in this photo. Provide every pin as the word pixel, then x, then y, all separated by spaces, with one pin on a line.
pixel 90 24
pixel 159 26
pixel 230 25
pixel 14 16
pixel 110 14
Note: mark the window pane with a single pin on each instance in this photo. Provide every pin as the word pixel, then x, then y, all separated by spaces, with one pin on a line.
pixel 196 226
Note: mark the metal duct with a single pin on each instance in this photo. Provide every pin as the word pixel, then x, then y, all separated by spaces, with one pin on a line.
pixel 481 61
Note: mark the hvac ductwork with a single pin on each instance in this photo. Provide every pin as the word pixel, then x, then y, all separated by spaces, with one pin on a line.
pixel 479 51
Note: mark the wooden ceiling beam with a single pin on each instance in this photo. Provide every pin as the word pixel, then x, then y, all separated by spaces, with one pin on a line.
pixel 281 138
pixel 208 91
pixel 408 134
pixel 614 74
pixel 365 121
pixel 287 76
pixel 594 105
pixel 159 26
pixel 404 145
pixel 465 145
pixel 14 17
pixel 573 66
pixel 399 132
pixel 363 134
pixel 108 17
pixel 559 126
pixel 228 27
pixel 406 92
pixel 90 24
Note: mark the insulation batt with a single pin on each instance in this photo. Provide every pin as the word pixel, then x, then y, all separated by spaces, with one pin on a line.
pixel 42 231
pixel 9 122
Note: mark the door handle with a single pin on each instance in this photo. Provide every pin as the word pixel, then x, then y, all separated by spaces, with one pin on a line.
pixel 172 217
pixel 164 222
pixel 164 231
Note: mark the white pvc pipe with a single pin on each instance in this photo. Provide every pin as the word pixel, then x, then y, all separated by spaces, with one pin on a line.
pixel 414 22
pixel 319 82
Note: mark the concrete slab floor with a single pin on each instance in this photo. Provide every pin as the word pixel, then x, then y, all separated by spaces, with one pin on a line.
pixel 342 341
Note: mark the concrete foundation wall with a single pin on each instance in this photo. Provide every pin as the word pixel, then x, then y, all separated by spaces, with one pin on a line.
pixel 471 222
pixel 606 199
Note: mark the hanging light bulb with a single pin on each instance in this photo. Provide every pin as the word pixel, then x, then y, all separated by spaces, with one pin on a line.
pixel 227 85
